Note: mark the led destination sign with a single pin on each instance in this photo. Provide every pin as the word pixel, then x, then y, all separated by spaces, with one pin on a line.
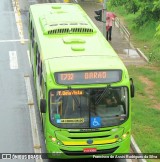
pixel 88 77
pixel 70 93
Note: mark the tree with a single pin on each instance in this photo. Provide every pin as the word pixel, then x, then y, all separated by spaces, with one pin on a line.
pixel 132 6
pixel 156 9
pixel 148 9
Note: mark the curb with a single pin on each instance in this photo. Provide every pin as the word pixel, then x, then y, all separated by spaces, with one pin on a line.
pixel 136 149
pixel 142 54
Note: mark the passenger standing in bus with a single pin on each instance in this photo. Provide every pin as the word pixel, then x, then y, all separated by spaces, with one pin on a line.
pixel 110 17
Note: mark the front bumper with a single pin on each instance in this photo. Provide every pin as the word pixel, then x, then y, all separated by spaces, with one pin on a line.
pixel 68 152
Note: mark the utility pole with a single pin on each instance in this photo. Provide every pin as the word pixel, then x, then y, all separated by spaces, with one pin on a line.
pixel 104 17
pixel 101 16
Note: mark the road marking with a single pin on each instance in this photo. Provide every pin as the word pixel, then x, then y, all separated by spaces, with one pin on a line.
pixel 17 13
pixel 28 54
pixel 35 135
pixel 13 40
pixel 13 60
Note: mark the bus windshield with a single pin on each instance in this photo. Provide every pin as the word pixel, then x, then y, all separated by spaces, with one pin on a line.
pixel 88 108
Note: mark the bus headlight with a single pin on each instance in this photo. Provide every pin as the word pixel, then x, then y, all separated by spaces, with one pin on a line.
pixel 125 135
pixel 53 139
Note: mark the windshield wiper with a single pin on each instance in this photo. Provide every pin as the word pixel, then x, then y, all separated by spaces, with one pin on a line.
pixel 74 97
pixel 102 94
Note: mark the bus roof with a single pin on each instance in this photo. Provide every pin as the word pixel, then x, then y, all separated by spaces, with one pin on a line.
pixel 68 39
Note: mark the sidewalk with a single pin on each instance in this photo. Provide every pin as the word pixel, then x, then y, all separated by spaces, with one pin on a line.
pixel 121 45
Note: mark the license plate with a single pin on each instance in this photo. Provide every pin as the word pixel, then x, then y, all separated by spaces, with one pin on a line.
pixel 89 150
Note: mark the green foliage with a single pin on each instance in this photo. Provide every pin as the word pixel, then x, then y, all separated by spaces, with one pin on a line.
pixel 148 9
pixel 117 3
pixel 158 31
pixel 142 18
pixel 145 14
pixel 132 6
pixel 156 9
pixel 155 55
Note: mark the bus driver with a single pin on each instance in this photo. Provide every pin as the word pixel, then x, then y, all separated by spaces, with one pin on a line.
pixel 110 101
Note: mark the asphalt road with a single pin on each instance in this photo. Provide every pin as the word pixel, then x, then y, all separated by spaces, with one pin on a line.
pixel 15 123
pixel 15 131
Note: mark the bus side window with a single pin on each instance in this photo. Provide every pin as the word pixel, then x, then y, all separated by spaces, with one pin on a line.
pixel 38 61
pixel 43 85
pixel 39 66
pixel 40 72
pixel 124 99
pixel 32 37
pixel 30 29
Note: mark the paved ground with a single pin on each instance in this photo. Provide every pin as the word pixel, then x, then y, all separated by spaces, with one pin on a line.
pixel 124 49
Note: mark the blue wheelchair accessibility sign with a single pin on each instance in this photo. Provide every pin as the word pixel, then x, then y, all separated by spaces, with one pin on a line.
pixel 95 122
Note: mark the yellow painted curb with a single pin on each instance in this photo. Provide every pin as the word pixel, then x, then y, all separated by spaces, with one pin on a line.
pixel 66 1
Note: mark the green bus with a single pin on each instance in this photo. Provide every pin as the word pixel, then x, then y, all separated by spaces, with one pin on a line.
pixel 83 88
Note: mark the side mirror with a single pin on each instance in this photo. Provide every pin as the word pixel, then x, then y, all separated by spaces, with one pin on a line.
pixel 43 105
pixel 132 88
